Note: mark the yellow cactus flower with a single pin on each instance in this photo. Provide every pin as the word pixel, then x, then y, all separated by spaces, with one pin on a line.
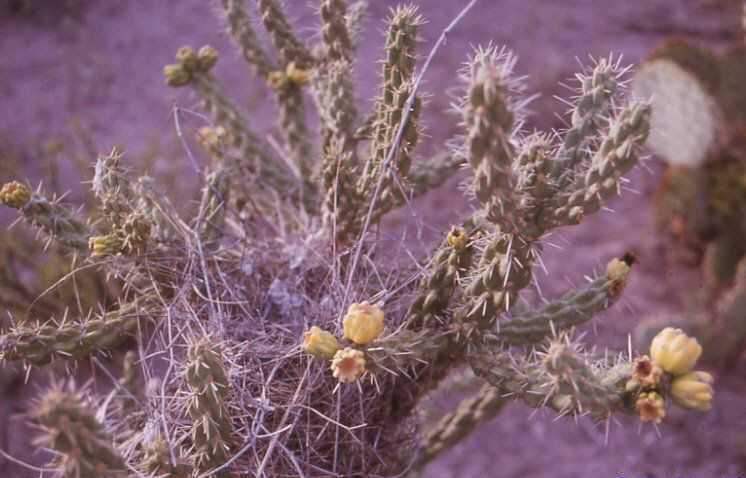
pixel 457 238
pixel 693 390
pixel 319 343
pixel 675 351
pixel 651 407
pixel 363 323
pixel 348 365
pixel 15 195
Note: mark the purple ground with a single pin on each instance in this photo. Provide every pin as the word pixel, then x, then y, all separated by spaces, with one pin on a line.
pixel 101 64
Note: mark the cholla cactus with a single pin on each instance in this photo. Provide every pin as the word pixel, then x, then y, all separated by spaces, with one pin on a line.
pixel 701 197
pixel 51 217
pixel 208 382
pixel 282 251
pixel 85 448
pixel 39 344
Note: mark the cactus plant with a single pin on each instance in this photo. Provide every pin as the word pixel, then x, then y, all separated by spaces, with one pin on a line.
pixel 85 448
pixel 701 198
pixel 273 338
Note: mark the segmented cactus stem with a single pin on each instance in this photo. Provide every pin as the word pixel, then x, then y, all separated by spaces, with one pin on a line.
pixel 290 48
pixel 50 216
pixel 334 30
pixel 39 344
pixel 455 426
pixel 245 38
pixel 451 261
pixel 590 110
pixel 398 71
pixel 354 20
pixel 574 308
pixel 616 155
pixel 489 121
pixel 576 385
pixel 85 449
pixel 208 382
pixel 505 268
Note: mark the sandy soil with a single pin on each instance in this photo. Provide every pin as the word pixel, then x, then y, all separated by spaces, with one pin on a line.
pixel 100 63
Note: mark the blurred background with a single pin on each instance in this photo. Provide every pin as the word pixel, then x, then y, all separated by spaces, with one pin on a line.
pixel 78 77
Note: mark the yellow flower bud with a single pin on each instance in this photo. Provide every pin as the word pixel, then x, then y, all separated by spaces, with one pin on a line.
pixel 108 245
pixel 651 407
pixel 291 76
pixel 212 139
pixel 348 365
pixel 617 271
pixel 15 194
pixel 363 323
pixel 693 390
pixel 136 233
pixel 176 75
pixel 276 79
pixel 457 238
pixel 675 351
pixel 319 343
pixel 296 75
pixel 207 57
pixel 187 58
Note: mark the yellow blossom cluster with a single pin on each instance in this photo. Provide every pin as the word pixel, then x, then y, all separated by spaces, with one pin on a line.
pixel 674 353
pixel 362 324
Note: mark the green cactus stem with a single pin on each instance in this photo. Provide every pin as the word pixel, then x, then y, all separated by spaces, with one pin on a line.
pixel 85 449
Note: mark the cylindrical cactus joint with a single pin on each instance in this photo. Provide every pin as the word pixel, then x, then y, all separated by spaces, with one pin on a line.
pixel 84 448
